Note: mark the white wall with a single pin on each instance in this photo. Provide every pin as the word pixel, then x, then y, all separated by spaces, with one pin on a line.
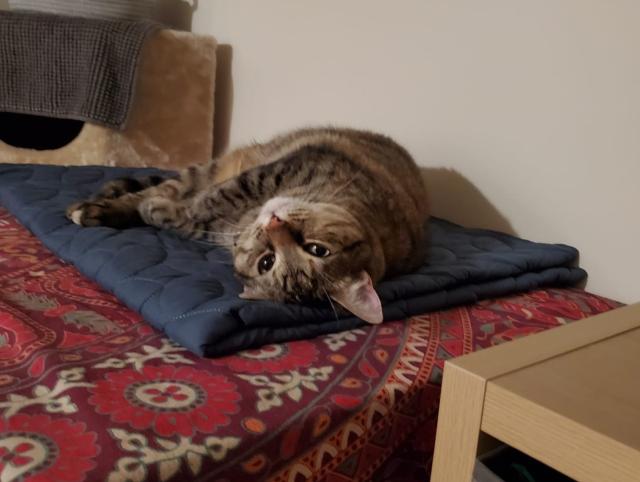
pixel 532 107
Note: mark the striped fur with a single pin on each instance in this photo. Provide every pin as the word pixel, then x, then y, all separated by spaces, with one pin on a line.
pixel 355 195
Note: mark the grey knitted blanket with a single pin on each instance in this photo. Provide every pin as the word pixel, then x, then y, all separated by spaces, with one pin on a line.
pixel 69 67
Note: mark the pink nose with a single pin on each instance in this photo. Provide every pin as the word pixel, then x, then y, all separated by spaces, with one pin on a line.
pixel 274 223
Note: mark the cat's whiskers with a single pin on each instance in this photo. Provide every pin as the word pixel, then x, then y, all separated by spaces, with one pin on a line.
pixel 211 243
pixel 298 212
pixel 235 225
pixel 219 233
pixel 335 193
pixel 219 262
pixel 330 302
pixel 310 197
pixel 325 278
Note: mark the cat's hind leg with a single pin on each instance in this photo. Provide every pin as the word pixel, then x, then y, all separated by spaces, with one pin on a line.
pixel 121 186
pixel 153 200
pixel 115 204
pixel 120 212
pixel 124 203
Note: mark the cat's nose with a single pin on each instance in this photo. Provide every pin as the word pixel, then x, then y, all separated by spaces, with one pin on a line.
pixel 278 233
pixel 274 222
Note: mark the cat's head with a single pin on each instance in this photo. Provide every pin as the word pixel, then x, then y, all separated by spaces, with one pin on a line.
pixel 296 250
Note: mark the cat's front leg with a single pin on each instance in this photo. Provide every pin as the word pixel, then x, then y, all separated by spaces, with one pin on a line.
pixel 166 213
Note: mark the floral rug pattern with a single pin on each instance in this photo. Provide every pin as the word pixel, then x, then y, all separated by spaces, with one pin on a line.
pixel 88 391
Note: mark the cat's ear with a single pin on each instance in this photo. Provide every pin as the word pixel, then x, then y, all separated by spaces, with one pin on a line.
pixel 359 297
pixel 251 294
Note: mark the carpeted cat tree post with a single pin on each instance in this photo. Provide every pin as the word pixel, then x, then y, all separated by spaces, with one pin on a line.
pixel 169 106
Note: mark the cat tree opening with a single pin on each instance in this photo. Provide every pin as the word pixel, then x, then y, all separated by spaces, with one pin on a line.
pixel 37 132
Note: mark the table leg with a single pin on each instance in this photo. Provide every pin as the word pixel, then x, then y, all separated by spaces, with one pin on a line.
pixel 459 419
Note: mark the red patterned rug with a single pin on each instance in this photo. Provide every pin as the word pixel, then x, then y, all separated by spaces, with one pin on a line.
pixel 88 391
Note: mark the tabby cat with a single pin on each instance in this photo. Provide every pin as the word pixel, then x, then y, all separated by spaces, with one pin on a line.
pixel 315 213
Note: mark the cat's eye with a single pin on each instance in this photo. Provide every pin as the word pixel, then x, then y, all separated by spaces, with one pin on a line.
pixel 266 263
pixel 316 249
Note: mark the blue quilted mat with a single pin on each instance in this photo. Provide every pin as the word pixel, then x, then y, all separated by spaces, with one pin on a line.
pixel 187 288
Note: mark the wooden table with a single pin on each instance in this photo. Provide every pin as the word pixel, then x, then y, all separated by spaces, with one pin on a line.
pixel 569 397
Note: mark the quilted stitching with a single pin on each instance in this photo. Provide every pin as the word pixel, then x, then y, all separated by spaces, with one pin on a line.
pixel 187 288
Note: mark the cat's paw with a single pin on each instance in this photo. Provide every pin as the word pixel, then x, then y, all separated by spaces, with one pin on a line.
pixel 87 213
pixel 103 212
pixel 162 212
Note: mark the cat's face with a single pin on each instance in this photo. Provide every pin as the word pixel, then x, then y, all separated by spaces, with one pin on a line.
pixel 296 251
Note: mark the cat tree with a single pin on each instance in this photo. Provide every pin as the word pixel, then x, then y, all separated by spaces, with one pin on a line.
pixel 170 123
